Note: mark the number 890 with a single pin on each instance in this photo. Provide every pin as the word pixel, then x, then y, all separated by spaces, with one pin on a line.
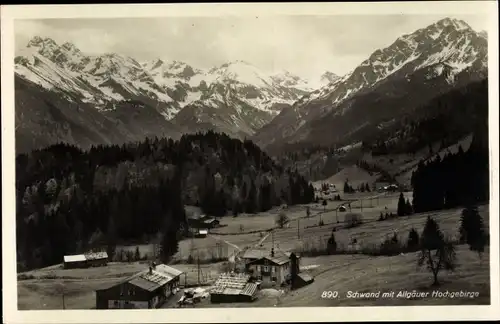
pixel 329 294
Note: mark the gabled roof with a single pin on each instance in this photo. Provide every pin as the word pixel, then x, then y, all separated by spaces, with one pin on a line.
pixel 165 269
pixel 75 258
pixel 249 289
pixel 161 275
pixel 255 253
pixel 305 277
pixel 278 258
pixel 234 284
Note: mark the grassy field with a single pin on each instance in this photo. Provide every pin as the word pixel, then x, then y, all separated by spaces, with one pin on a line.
pixel 43 288
pixel 359 273
pixel 343 273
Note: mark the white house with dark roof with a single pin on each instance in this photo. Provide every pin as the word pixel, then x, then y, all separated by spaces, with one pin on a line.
pixel 273 268
pixel 146 289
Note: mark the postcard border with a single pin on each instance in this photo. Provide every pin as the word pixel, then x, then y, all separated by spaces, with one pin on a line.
pixel 306 314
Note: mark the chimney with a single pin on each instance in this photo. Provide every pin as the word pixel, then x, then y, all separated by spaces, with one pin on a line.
pixel 150 270
pixel 272 252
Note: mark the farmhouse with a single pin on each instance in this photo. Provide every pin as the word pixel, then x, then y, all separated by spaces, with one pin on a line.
pixel 90 259
pixel 201 221
pixel 233 288
pixel 147 289
pixel 210 222
pixel 273 268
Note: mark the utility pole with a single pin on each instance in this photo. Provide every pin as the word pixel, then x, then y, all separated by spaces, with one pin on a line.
pixel 272 237
pixel 298 228
pixel 198 258
pixel 64 304
pixel 361 201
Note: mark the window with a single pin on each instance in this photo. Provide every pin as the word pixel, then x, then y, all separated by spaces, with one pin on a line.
pixel 258 268
pixel 265 269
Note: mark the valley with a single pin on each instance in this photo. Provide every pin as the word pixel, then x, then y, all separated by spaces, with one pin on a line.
pixel 359 181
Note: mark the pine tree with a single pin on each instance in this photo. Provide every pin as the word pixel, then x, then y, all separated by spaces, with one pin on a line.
pixel 401 205
pixel 413 240
pixel 332 244
pixel 472 230
pixel 169 244
pixel 137 255
pixel 347 189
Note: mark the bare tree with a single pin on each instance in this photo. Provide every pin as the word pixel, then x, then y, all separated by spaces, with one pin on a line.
pixel 282 219
pixel 436 252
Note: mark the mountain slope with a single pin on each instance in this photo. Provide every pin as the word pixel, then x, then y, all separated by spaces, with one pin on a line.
pixel 105 81
pixel 45 117
pixel 394 80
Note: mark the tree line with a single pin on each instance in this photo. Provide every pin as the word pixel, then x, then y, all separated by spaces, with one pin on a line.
pixel 69 200
pixel 455 180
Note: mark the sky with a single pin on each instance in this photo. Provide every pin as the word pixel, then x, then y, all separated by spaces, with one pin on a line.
pixel 305 45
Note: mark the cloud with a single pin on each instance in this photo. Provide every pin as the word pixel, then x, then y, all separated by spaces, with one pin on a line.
pixel 306 45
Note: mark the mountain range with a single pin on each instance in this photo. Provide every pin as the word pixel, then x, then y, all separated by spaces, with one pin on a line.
pixel 65 95
pixel 390 83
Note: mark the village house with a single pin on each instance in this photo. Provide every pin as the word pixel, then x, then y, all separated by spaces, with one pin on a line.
pixel 273 268
pixel 144 290
pixel 201 221
pixel 233 288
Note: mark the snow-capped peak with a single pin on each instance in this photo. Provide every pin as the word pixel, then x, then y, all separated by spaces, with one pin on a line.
pixel 110 77
pixel 441 50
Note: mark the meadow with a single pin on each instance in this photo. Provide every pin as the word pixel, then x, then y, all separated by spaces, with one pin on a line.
pixel 43 288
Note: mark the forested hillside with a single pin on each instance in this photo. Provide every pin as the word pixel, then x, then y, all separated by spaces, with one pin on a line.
pixel 459 179
pixel 446 119
pixel 69 200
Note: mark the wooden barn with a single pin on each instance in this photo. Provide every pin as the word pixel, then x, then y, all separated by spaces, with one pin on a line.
pixel 233 288
pixel 96 259
pixel 145 290
pixel 75 261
